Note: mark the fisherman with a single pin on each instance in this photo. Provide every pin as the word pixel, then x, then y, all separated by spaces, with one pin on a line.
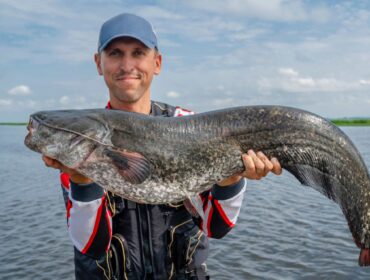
pixel 115 238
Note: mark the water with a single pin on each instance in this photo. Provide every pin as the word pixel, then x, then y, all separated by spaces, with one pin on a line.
pixel 285 230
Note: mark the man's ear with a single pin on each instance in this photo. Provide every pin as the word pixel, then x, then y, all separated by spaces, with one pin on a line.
pixel 97 58
pixel 158 64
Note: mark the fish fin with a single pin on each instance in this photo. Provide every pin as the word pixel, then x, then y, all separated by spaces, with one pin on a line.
pixel 132 166
pixel 319 180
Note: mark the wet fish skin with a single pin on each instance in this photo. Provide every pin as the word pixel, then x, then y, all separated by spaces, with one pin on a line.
pixel 161 160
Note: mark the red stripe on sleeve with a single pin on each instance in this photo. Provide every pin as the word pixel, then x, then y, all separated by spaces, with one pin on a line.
pixel 182 109
pixel 96 226
pixel 223 214
pixel 209 222
pixel 69 206
pixel 64 178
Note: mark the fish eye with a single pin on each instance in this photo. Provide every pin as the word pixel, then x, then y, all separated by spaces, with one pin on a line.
pixel 32 123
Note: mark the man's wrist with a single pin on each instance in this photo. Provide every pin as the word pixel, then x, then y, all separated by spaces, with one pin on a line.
pixel 229 181
pixel 80 179
pixel 222 193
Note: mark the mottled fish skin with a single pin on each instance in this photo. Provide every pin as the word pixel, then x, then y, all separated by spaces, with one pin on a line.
pixel 162 160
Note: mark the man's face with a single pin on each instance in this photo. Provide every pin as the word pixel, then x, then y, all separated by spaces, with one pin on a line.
pixel 128 67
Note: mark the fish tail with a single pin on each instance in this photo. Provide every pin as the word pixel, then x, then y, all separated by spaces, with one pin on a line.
pixel 364 258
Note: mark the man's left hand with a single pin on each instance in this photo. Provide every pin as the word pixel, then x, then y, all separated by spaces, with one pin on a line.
pixel 257 165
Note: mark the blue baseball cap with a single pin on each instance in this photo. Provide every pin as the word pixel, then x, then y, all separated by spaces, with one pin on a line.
pixel 127 25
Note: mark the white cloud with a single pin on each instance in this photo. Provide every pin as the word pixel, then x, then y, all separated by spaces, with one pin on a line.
pixel 291 80
pixel 365 82
pixel 152 12
pixel 238 44
pixel 64 100
pixel 288 72
pixel 77 102
pixel 173 94
pixel 306 82
pixel 20 90
pixel 81 99
pixel 276 10
pixel 223 102
pixel 248 34
pixel 5 102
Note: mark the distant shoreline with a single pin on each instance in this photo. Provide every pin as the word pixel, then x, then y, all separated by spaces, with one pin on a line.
pixel 351 122
pixel 13 123
pixel 338 122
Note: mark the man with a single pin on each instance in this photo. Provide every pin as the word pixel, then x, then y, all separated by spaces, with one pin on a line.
pixel 114 237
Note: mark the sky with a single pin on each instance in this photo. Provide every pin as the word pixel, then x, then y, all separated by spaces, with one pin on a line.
pixel 309 54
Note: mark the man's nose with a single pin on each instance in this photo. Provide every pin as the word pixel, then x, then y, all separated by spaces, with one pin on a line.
pixel 127 64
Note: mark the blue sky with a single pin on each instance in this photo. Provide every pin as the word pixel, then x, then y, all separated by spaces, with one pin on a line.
pixel 313 55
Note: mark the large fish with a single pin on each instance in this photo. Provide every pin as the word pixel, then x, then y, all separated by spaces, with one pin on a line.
pixel 163 160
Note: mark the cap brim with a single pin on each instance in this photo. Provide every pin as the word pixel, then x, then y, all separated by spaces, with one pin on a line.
pixel 150 45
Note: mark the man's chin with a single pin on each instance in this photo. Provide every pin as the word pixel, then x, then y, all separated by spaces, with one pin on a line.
pixel 128 96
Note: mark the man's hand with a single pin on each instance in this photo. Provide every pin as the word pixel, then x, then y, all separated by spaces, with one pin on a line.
pixel 257 166
pixel 74 176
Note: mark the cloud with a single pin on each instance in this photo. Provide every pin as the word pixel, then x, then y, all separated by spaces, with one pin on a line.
pixel 173 94
pixel 257 52
pixel 154 12
pixel 291 80
pixel 364 82
pixel 288 72
pixel 275 10
pixel 64 100
pixel 50 30
pixel 224 102
pixel 77 102
pixel 20 90
pixel 5 102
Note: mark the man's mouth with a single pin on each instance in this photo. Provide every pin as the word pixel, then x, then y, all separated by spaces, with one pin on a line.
pixel 128 77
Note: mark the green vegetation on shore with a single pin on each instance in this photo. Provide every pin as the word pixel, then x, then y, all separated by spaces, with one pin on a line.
pixel 12 123
pixel 351 122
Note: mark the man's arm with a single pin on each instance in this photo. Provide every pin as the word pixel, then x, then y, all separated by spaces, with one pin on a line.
pixel 88 217
pixel 257 165
pixel 221 204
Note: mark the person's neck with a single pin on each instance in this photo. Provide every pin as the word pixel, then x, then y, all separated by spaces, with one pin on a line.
pixel 137 107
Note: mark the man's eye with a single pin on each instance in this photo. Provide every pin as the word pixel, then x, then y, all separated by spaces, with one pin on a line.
pixel 113 53
pixel 138 53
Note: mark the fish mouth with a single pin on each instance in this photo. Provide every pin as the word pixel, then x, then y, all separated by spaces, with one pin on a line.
pixel 31 127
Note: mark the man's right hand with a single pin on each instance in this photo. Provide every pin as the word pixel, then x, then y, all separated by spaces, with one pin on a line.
pixel 74 175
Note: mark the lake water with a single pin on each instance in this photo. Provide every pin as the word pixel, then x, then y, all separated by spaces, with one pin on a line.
pixel 285 230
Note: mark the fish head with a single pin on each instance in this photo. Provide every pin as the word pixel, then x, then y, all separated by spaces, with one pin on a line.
pixel 64 135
